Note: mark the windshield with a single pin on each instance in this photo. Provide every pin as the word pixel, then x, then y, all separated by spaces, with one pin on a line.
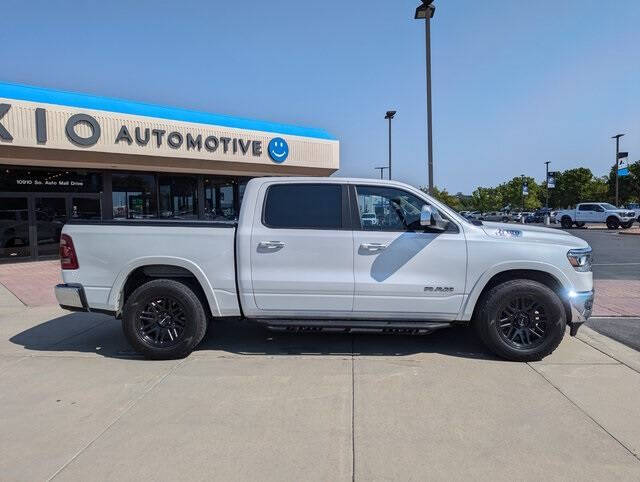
pixel 608 206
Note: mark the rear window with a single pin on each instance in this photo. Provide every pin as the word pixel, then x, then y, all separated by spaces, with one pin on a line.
pixel 303 206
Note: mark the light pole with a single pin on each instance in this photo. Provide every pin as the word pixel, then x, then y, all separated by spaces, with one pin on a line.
pixel 381 170
pixel 389 115
pixel 426 11
pixel 546 182
pixel 617 138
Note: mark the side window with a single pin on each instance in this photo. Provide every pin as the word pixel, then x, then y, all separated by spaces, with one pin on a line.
pixel 586 207
pixel 598 209
pixel 389 209
pixel 303 206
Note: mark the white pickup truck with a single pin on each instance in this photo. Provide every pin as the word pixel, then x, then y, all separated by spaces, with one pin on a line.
pixel 604 213
pixel 300 257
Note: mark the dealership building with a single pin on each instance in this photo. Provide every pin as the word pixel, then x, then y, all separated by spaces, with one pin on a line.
pixel 73 156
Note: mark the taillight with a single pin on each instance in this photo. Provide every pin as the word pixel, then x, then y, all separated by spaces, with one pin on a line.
pixel 68 258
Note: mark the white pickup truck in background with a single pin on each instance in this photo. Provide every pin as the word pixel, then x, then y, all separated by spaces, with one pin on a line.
pixel 307 252
pixel 604 213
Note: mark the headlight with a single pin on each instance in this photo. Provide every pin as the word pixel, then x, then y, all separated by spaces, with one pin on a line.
pixel 580 259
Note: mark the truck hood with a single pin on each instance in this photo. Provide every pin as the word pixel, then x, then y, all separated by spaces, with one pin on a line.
pixel 532 234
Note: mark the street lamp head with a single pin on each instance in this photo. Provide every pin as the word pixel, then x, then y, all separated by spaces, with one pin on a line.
pixel 390 114
pixel 425 10
pixel 617 136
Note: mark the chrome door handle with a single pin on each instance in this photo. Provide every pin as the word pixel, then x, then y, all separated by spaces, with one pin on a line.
pixel 373 246
pixel 271 244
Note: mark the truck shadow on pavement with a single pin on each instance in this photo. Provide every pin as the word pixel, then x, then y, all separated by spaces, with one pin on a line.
pixel 99 334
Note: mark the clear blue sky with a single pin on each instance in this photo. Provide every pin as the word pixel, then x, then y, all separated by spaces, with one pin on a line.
pixel 515 82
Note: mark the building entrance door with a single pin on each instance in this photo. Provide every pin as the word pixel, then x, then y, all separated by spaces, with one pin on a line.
pixel 14 228
pixel 31 224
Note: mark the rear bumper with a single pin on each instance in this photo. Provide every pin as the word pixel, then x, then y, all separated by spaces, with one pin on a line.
pixel 71 297
pixel 581 307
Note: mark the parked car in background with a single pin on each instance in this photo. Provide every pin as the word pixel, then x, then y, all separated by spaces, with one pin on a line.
pixel 635 207
pixel 605 213
pixel 498 216
pixel 473 214
pixel 538 216
pixel 553 217
pixel 300 258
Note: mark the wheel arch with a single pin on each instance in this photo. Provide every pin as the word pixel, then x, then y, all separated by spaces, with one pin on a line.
pixel 543 276
pixel 142 270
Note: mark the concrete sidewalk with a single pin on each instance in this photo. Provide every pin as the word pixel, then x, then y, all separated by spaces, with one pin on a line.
pixel 76 403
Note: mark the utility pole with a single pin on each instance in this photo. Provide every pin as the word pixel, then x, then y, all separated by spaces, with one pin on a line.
pixel 426 11
pixel 617 138
pixel 547 184
pixel 389 115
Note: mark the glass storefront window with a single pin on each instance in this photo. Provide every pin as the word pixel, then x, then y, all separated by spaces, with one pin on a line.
pixel 218 199
pixel 85 208
pixel 134 196
pixel 178 197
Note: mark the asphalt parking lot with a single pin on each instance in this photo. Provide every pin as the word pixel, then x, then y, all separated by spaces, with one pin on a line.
pixel 616 258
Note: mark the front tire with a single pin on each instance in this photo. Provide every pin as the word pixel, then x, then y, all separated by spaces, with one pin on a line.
pixel 613 223
pixel 580 225
pixel 164 319
pixel 521 320
pixel 627 225
pixel 566 222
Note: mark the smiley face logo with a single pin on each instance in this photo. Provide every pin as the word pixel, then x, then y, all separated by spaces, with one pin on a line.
pixel 278 149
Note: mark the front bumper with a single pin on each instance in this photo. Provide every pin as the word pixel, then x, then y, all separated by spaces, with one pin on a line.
pixel 71 297
pixel 581 307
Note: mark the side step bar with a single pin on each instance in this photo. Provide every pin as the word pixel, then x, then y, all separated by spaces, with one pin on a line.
pixel 355 326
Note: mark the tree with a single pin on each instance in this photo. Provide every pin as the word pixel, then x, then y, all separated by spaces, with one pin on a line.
pixel 487 199
pixel 511 193
pixel 443 196
pixel 628 186
pixel 574 186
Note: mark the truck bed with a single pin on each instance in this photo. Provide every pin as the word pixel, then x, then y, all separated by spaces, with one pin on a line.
pixel 109 251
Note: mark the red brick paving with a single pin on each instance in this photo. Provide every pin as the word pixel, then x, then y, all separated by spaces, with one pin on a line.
pixel 33 284
pixel 617 298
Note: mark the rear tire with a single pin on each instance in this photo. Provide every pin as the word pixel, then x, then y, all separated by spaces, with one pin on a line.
pixel 566 222
pixel 521 320
pixel 613 223
pixel 164 319
pixel 627 225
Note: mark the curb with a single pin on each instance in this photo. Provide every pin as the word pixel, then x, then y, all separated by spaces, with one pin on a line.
pixel 613 349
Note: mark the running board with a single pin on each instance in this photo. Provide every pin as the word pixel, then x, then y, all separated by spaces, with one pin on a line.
pixel 355 326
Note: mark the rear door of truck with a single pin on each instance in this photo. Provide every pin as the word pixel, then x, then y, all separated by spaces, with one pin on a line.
pixel 302 249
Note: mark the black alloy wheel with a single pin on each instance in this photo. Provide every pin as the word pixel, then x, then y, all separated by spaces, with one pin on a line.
pixel 522 322
pixel 613 223
pixel 165 319
pixel 566 222
pixel 162 322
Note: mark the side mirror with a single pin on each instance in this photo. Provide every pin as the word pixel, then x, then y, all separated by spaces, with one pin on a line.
pixel 430 218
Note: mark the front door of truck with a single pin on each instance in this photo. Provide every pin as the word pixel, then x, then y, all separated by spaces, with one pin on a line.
pixel 302 250
pixel 400 268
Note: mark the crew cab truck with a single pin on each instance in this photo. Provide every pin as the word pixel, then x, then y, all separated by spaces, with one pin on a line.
pixel 596 213
pixel 300 257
